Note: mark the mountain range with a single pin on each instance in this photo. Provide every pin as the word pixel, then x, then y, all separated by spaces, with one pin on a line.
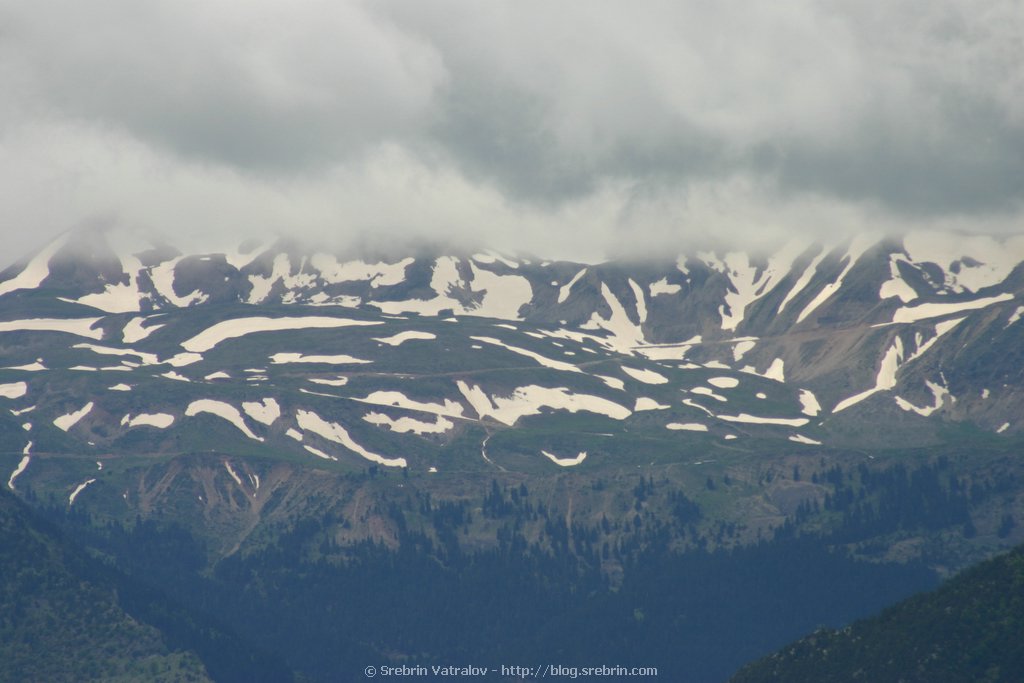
pixel 796 345
pixel 865 393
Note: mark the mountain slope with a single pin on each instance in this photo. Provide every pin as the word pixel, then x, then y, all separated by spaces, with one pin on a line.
pixel 970 629
pixel 802 345
pixel 49 607
pixel 226 425
pixel 118 356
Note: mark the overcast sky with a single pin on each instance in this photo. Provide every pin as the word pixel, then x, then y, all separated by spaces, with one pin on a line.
pixel 564 128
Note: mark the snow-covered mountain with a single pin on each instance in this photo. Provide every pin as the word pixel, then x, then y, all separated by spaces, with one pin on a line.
pixel 439 361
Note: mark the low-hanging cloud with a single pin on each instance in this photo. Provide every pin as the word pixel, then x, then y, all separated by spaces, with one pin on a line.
pixel 555 127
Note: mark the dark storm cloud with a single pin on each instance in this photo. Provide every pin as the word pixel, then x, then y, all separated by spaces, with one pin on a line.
pixel 509 137
pixel 263 86
pixel 595 120
pixel 918 108
pixel 971 162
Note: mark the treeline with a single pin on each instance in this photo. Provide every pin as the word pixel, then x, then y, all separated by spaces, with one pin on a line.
pixel 539 589
pixel 867 503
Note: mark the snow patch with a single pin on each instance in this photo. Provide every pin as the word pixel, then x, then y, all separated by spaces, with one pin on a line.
pixel 909 314
pixel 624 333
pixel 940 329
pixel 340 359
pixel 896 286
pixel 750 283
pixel 775 371
pixel 939 392
pixel 969 262
pixel 163 282
pixel 687 426
pixel 885 380
pixel 704 391
pixel 37 366
pixel 180 360
pixel 800 438
pixel 804 279
pixel 234 475
pixel 529 400
pixel 158 420
pixel 402 337
pixel 66 422
pixel 753 419
pixel 261 285
pixel 663 287
pixel 566 462
pixel 134 331
pixel 171 374
pixel 542 360
pixel 444 277
pixel 79 489
pixel 119 298
pixel 645 376
pixel 860 244
pixel 399 400
pixel 408 424
pixel 19 469
pixel 265 412
pixel 339 382
pixel 378 274
pixel 222 410
pixel 504 295
pixel 331 431
pixel 612 382
pixel 13 390
pixel 693 404
pixel 238 327
pixel 658 352
pixel 742 348
pixel 144 358
pixel 808 403
pixel 724 382
pixel 81 327
pixel 566 289
pixel 37 270
pixel 645 403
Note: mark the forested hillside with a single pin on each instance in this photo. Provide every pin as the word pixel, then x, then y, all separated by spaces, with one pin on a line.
pixel 970 629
